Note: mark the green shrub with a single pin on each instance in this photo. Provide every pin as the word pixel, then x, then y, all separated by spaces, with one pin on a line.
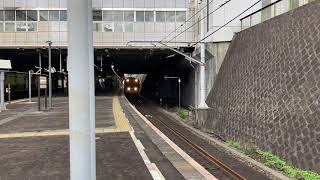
pixel 274 161
pixel 233 144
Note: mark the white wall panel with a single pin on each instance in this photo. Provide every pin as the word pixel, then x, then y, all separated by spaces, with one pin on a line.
pixel 107 3
pixel 54 3
pixel 97 3
pixel 32 4
pixel 118 4
pixel 8 3
pixel 139 3
pixel 20 3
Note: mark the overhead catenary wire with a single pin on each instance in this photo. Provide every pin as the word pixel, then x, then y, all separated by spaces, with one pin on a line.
pixel 226 23
pixel 186 21
pixel 223 4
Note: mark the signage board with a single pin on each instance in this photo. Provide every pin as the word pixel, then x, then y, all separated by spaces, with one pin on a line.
pixel 43 82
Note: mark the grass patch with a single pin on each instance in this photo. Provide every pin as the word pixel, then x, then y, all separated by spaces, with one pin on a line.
pixel 274 161
pixel 182 113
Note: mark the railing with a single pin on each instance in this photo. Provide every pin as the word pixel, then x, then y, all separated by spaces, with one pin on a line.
pixel 274 9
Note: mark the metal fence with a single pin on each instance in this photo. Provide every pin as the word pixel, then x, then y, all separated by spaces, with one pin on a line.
pixel 272 10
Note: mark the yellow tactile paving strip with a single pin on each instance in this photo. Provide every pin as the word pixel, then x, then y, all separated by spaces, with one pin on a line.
pixel 122 125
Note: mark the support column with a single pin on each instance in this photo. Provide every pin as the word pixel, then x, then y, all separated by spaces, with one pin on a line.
pixel 81 98
pixel 2 103
pixel 29 86
pixel 202 99
pixel 50 78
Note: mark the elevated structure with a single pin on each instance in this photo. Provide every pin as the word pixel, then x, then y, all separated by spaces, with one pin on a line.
pixel 30 23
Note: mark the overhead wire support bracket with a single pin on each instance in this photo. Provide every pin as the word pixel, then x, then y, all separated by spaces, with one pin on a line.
pixel 173 49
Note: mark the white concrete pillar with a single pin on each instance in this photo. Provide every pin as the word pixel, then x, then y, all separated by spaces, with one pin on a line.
pixel 50 75
pixel 2 103
pixel 202 75
pixel 29 86
pixel 81 91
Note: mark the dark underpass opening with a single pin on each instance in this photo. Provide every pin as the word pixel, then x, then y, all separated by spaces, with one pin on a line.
pixel 154 63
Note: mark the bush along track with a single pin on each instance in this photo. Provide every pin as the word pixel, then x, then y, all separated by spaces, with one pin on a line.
pixel 273 161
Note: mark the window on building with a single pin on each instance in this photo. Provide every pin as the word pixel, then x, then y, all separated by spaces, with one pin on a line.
pixel 63 16
pixel 1 16
pixel 21 15
pixel 32 15
pixel 44 15
pixel 9 16
pixel 9 27
pixel 54 16
pixel 21 27
pixel 32 26
pixel 160 16
pixel 170 16
pixel 181 16
pixel 118 16
pixel 129 16
pixel 97 27
pixel 128 27
pixel 118 27
pixel 149 16
pixel 97 15
pixel 1 27
pixel 108 27
pixel 139 16
pixel 107 16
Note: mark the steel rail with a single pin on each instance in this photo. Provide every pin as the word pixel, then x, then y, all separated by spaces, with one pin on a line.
pixel 204 153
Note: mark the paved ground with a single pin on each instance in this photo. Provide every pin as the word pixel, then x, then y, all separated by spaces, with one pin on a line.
pixel 35 145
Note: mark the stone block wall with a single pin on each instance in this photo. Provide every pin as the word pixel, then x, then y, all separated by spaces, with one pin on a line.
pixel 267 91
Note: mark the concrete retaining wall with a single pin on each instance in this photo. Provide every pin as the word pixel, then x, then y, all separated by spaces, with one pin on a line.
pixel 267 91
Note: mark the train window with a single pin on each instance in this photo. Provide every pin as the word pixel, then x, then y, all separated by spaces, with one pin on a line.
pixel 44 16
pixel 9 15
pixel 63 16
pixel 32 15
pixel 149 16
pixel 21 15
pixel 140 16
pixel 97 15
pixel 1 16
pixel 54 16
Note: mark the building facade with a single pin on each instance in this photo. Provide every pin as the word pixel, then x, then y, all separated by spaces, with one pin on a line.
pixel 30 23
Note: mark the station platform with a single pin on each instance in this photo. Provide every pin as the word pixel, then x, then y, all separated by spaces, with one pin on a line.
pixel 35 145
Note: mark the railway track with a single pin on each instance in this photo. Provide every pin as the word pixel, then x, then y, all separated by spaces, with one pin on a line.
pixel 216 162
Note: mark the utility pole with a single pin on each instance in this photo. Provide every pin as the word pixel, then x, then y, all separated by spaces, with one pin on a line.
pixel 81 98
pixel 50 78
pixel 202 74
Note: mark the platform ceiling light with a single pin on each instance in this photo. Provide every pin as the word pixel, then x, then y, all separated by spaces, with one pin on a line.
pixel 135 89
pixel 5 64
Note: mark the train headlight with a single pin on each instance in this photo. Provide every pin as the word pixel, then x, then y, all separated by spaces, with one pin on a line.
pixel 136 80
pixel 135 89
pixel 128 88
pixel 127 80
